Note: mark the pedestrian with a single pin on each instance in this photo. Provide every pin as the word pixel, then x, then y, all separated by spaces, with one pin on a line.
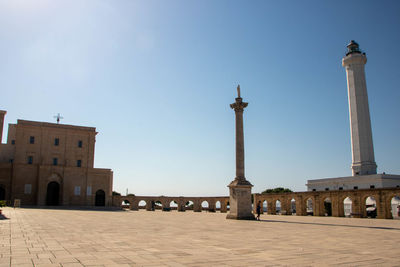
pixel 258 210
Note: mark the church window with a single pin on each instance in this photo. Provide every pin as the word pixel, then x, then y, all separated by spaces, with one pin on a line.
pixel 55 161
pixel 80 143
pixel 356 187
pixel 340 188
pixel 77 191
pixel 56 141
pixel 30 160
pixel 89 191
pixel 314 189
pixel 32 140
pixel 372 186
pixel 13 142
pixel 28 189
pixel 79 163
pixel 327 189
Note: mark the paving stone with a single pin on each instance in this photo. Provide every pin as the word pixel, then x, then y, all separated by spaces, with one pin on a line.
pixel 139 238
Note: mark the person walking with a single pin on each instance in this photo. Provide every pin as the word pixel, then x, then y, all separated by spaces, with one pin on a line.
pixel 258 210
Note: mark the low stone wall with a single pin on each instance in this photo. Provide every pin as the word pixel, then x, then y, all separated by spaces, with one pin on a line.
pixel 382 196
pixel 164 203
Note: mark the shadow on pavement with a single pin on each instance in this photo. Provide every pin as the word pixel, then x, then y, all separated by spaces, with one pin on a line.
pixel 87 208
pixel 338 225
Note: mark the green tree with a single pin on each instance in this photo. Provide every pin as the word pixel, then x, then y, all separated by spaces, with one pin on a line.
pixel 276 190
pixel 114 193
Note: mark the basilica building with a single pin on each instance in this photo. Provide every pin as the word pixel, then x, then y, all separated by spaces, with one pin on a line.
pixel 52 164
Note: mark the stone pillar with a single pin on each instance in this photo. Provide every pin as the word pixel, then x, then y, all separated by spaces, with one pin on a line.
pixel 135 204
pixel 335 206
pixel 240 188
pixel 272 207
pixel 360 122
pixel 2 114
pixel 223 207
pixel 197 206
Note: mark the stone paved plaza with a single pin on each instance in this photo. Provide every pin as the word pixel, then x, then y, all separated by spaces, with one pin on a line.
pixel 45 237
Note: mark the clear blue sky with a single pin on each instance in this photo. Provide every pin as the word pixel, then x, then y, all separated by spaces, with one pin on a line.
pixel 156 79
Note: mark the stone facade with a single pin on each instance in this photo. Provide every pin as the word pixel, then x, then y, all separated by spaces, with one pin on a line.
pixel 52 164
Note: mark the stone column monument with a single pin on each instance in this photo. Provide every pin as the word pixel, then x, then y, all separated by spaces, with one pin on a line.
pixel 360 122
pixel 240 188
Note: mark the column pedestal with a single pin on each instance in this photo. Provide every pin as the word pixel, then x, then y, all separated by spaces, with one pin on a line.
pixel 240 201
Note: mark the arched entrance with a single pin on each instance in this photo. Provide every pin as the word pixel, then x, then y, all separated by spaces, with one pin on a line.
pixel 328 207
pixel 53 194
pixel 370 204
pixel 100 198
pixel 347 207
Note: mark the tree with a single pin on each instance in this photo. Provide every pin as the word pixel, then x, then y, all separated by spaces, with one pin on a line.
pixel 276 190
pixel 114 193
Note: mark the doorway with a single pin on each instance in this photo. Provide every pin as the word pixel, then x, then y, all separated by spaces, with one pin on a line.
pixel 2 193
pixel 53 194
pixel 100 198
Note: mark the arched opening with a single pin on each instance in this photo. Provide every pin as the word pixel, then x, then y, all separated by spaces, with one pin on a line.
pixel 265 206
pixel 370 207
pixel 2 193
pixel 218 205
pixel 189 205
pixel 328 207
pixel 228 206
pixel 348 207
pixel 126 204
pixel 309 207
pixel 293 206
pixel 395 203
pixel 142 204
pixel 53 194
pixel 100 199
pixel 204 205
pixel 173 205
pixel 158 205
pixel 278 206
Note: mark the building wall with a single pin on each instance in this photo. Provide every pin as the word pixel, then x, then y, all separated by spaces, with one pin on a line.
pixel 360 181
pixel 43 150
pixel 29 181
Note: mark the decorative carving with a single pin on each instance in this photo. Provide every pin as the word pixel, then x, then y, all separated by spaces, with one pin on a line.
pixel 239 105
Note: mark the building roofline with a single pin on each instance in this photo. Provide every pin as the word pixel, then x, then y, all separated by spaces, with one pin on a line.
pixel 55 125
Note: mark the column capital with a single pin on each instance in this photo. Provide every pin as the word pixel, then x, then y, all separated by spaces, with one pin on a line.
pixel 239 105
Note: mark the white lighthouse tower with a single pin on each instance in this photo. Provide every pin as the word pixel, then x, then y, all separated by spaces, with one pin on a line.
pixel 363 167
pixel 360 122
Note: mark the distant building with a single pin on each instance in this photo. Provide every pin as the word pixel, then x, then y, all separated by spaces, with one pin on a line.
pixel 52 164
pixel 354 182
pixel 363 159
